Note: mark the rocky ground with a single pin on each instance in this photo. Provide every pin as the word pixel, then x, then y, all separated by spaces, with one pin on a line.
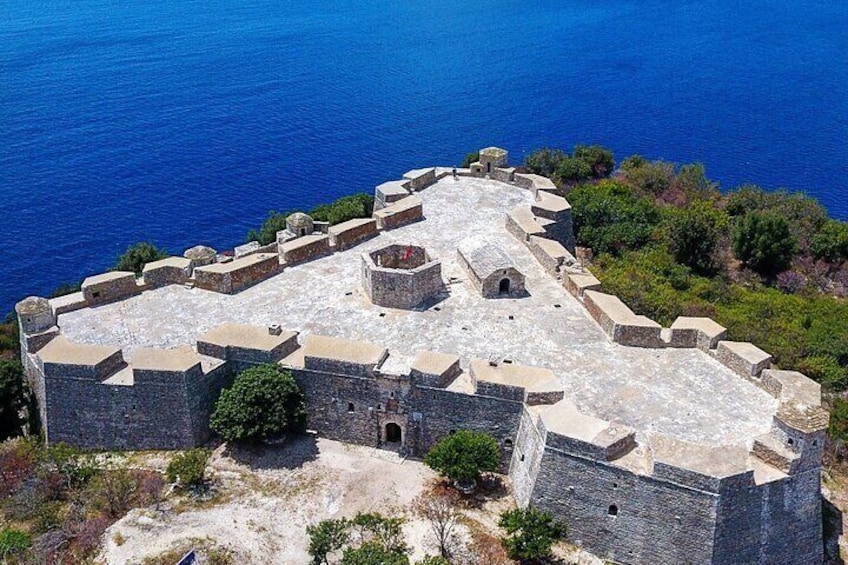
pixel 261 501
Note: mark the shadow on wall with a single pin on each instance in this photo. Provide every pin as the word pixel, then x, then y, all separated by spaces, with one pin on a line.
pixel 831 532
pixel 291 454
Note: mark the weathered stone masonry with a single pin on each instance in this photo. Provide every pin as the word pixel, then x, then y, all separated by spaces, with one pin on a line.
pixel 630 497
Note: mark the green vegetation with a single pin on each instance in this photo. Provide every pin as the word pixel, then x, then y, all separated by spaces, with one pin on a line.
pixel 346 208
pixel 13 399
pixel 263 403
pixel 137 255
pixel 585 163
pixel 366 539
pixel 470 158
pixel 188 468
pixel 530 534
pixel 464 455
pixel 56 501
pixel 665 239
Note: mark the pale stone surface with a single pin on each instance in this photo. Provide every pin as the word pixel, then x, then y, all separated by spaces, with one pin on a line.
pixel 677 392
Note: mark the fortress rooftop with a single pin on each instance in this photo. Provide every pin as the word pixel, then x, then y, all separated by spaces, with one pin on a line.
pixel 682 393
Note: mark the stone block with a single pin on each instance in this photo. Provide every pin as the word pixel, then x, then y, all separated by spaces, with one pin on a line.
pixel 389 192
pixel 746 359
pixel 305 248
pixel 238 274
pixel 400 213
pixel 702 333
pixel 352 232
pixel 62 358
pixel 521 223
pixel 246 249
pixel 550 254
pixel 109 287
pixel 419 179
pixel 249 344
pixel 578 283
pixel 432 369
pixel 171 270
pixel 342 356
pixel 620 323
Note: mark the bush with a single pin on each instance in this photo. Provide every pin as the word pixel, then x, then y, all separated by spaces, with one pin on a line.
pixel 13 399
pixel 13 543
pixel 764 242
pixel 267 233
pixel 806 217
pixel 831 243
pixel 188 468
pixel 647 178
pixel 610 219
pixel 530 534
pixel 138 255
pixel 358 205
pixel 372 554
pixel 693 237
pixel 433 560
pixel 464 455
pixel 599 160
pixel 264 402
pixel 470 158
pixel 367 539
pixel 544 161
pixel 571 171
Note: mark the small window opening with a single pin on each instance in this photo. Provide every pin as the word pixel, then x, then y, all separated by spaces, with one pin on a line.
pixel 391 395
pixel 508 361
pixel 613 510
pixel 450 433
pixel 95 294
pixel 438 308
pixel 508 443
pixel 379 407
pixel 350 407
pixel 815 443
pixel 302 231
pixel 522 457
pixel 790 441
pixel 615 485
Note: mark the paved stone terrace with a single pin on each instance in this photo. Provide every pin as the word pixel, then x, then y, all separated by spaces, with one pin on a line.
pixel 677 392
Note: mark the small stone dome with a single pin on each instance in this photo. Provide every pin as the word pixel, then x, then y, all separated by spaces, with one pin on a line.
pixel 300 224
pixel 35 314
pixel 199 252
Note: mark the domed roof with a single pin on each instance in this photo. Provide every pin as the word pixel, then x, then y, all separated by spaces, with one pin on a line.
pixel 32 305
pixel 199 252
pixel 299 220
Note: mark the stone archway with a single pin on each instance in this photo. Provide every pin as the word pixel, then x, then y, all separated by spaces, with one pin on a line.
pixel 393 433
pixel 503 287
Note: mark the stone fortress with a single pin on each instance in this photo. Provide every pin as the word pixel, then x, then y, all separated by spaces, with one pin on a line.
pixel 459 304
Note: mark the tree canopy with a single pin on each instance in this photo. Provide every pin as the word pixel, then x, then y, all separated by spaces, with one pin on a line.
pixel 138 255
pixel 530 534
pixel 263 403
pixel 464 455
pixel 764 242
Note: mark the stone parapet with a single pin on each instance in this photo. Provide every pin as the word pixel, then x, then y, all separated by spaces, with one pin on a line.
pixel 549 253
pixel 503 174
pixel 571 431
pixel 165 366
pixel 536 184
pixel 390 192
pixel 62 358
pixel 521 223
pixel 109 287
pixel 342 356
pixel 433 369
pixel 171 270
pixel 247 344
pixel 352 232
pixel 699 466
pixel 419 179
pixel 516 383
pixel 231 277
pixel 305 248
pixel 400 213
pixel 578 283
pixel 702 333
pixel 746 359
pixel 620 323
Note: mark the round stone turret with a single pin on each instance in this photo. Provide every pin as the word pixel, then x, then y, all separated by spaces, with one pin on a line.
pixel 300 224
pixel 200 255
pixel 35 315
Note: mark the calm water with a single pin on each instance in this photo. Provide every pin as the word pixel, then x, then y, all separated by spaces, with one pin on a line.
pixel 184 122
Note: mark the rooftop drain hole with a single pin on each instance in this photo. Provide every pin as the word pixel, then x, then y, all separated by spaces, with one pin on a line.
pixel 382 314
pixel 613 510
pixel 508 361
pixel 348 293
pixel 557 305
pixel 465 328
pixel 438 308
pixel 511 317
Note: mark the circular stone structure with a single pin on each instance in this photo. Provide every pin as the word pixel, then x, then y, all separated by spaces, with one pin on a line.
pixel 200 255
pixel 35 314
pixel 300 224
pixel 400 276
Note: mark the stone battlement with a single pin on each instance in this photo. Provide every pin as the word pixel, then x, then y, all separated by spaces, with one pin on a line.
pixel 657 445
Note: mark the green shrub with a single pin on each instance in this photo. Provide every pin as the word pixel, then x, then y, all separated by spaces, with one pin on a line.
pixel 764 242
pixel 13 543
pixel 530 534
pixel 544 161
pixel 610 219
pixel 433 560
pixel 464 455
pixel 264 402
pixel 831 242
pixel 13 399
pixel 267 233
pixel 571 171
pixel 599 160
pixel 470 158
pixel 358 205
pixel 693 237
pixel 805 216
pixel 189 467
pixel 138 255
pixel 647 178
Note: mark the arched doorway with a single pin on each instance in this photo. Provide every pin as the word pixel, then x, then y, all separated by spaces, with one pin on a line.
pixel 503 288
pixel 393 433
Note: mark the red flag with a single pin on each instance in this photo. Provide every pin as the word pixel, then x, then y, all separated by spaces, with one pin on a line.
pixel 407 254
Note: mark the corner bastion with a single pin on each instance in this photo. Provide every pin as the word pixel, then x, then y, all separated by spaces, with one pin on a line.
pixel 655 445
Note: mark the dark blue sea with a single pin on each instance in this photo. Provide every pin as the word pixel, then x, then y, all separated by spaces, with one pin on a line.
pixel 184 122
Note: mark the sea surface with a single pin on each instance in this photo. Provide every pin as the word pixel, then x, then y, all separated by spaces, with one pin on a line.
pixel 185 121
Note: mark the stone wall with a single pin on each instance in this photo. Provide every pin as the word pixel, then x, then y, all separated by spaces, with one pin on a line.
pixel 401 213
pixel 109 287
pixel 419 179
pixel 229 278
pixel 172 270
pixel 350 233
pixel 398 287
pixel 305 248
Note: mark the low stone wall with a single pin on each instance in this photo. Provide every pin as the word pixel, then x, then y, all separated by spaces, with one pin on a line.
pixel 173 270
pixel 401 213
pixel 746 359
pixel 352 232
pixel 401 288
pixel 620 323
pixel 702 333
pixel 433 369
pixel 389 192
pixel 521 223
pixel 549 253
pixel 305 248
pixel 578 283
pixel 109 287
pixel 229 278
pixel 419 179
